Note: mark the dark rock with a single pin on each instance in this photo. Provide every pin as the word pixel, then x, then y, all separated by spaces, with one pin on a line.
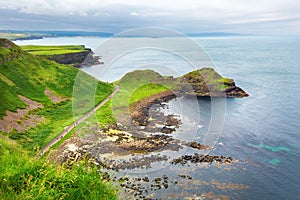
pixel 146 179
pixel 197 158
pixel 77 59
pixel 157 180
pixel 196 145
pixel 167 130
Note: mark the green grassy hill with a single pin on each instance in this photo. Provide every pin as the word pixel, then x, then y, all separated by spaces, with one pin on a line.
pixel 27 75
pixel 34 88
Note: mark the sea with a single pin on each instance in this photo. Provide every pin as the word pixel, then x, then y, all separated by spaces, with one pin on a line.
pixel 261 132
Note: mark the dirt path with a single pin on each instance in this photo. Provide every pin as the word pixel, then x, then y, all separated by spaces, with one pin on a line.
pixel 70 127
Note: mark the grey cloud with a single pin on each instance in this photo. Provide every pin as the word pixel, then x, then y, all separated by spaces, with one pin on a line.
pixel 187 16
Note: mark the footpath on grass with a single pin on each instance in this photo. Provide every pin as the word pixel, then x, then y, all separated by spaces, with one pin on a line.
pixel 70 127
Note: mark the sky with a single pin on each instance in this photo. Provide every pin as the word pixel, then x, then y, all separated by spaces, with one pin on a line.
pixel 187 16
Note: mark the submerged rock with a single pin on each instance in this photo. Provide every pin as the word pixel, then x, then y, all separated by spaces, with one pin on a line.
pixel 197 158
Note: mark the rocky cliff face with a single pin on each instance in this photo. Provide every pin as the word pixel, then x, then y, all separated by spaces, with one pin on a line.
pixel 79 59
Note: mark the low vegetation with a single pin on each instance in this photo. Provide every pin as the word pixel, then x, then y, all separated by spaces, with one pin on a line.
pixel 53 50
pixel 24 177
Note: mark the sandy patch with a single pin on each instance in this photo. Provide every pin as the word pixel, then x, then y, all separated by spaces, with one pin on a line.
pixel 22 119
pixel 72 144
pixel 54 98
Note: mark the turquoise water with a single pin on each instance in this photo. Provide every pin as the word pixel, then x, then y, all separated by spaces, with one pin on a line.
pixel 262 130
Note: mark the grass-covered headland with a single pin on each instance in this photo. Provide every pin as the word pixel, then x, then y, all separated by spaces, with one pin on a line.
pixel 137 87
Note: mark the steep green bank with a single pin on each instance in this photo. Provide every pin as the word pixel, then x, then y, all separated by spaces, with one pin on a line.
pixel 23 177
pixel 38 79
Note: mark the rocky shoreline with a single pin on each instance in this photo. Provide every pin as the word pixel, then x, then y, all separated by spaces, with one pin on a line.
pixel 143 186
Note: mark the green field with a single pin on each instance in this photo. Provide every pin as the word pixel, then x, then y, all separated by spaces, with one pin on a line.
pixel 53 50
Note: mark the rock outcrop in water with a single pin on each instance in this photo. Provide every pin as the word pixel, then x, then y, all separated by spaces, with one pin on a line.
pixel 206 82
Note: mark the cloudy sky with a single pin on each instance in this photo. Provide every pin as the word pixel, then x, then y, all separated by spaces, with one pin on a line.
pixel 188 16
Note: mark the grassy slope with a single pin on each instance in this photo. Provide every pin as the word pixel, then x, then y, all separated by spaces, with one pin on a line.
pixel 30 77
pixel 51 50
pixel 23 177
pixel 134 86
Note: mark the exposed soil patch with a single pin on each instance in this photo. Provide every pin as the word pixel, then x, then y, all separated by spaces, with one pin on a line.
pixel 54 98
pixel 23 118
